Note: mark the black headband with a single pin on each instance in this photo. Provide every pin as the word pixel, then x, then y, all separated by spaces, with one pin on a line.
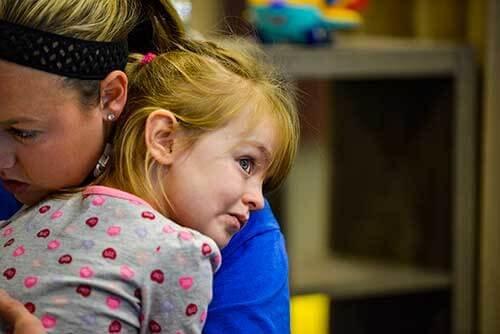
pixel 61 55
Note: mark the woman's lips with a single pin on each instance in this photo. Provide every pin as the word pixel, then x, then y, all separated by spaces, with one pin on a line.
pixel 15 187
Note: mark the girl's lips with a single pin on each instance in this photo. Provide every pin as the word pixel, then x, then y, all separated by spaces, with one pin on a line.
pixel 15 187
pixel 233 224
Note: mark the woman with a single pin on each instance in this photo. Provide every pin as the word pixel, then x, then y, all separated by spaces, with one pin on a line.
pixel 57 138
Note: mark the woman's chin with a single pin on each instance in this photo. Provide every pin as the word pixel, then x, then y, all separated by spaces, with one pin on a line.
pixel 30 196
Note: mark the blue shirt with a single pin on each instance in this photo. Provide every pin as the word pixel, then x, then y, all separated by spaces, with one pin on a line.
pixel 251 293
pixel 8 204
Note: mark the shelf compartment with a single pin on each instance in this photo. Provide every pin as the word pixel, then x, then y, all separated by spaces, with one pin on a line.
pixel 348 278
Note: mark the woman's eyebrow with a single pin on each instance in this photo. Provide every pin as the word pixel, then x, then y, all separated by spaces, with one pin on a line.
pixel 16 120
pixel 8 122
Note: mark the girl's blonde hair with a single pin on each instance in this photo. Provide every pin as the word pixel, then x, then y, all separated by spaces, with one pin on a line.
pixel 204 86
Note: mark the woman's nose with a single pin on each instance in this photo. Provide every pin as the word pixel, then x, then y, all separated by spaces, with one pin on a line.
pixel 7 156
pixel 7 160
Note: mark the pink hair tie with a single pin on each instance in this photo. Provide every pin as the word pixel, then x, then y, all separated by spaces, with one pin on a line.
pixel 148 57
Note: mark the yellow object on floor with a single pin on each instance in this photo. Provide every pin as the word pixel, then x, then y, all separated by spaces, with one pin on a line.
pixel 310 314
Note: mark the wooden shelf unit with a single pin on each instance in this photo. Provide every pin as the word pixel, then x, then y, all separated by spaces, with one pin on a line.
pixel 314 266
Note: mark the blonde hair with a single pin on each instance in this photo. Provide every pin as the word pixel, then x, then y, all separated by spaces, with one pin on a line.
pixel 204 86
pixel 98 20
pixel 95 20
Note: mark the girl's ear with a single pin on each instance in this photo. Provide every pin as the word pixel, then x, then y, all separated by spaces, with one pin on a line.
pixel 113 95
pixel 160 135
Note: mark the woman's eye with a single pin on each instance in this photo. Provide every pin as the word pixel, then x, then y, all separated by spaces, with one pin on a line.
pixel 23 134
pixel 246 164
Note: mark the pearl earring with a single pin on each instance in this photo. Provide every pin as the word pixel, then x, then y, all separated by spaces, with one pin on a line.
pixel 110 117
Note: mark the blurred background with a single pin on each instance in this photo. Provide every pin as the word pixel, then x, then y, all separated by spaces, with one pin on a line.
pixel 390 212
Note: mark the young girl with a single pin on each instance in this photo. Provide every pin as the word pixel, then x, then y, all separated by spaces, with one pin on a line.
pixel 206 128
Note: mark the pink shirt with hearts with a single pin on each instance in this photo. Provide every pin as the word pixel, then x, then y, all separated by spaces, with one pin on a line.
pixel 103 261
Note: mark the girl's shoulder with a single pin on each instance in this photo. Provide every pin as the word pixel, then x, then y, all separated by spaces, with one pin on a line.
pixel 144 227
pixel 109 216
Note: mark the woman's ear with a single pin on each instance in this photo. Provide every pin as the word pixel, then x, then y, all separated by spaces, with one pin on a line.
pixel 160 132
pixel 113 95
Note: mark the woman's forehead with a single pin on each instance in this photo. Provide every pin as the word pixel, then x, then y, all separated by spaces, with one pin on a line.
pixel 19 72
pixel 22 83
pixel 31 94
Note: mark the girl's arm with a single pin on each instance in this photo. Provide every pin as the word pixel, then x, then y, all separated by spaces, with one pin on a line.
pixel 18 317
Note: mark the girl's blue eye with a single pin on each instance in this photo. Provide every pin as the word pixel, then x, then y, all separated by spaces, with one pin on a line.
pixel 23 134
pixel 246 164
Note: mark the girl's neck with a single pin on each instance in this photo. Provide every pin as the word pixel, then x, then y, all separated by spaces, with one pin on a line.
pixel 109 182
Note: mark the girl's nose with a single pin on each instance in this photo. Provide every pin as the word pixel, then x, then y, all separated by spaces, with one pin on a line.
pixel 254 198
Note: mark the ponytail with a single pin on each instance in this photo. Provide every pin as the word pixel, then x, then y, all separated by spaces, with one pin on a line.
pixel 160 28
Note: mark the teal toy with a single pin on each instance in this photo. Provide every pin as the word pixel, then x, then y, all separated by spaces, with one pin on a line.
pixel 305 22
